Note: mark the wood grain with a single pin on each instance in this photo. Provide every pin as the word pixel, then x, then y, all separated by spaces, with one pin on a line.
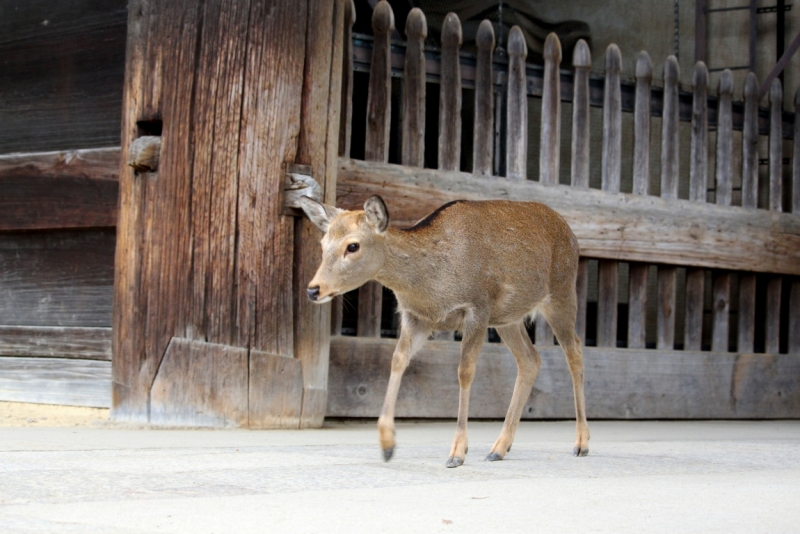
pixel 517 108
pixel 641 125
pixel 750 143
pixel 450 95
pixel 620 383
pixel 56 342
pixel 610 226
pixel 582 62
pixel 55 381
pixel 776 146
pixel 413 141
pixel 720 310
pixel 483 131
pixel 277 393
pixel 747 312
pixel 200 384
pixel 637 305
pixel 550 137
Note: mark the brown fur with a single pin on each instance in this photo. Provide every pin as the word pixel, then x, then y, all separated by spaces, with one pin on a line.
pixel 467 266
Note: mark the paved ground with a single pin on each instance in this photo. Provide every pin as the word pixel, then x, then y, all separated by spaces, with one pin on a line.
pixel 639 477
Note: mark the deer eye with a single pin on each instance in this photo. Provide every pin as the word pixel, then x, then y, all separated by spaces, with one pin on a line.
pixel 352 247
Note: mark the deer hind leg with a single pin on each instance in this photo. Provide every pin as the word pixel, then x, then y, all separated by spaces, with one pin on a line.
pixel 563 325
pixel 412 338
pixel 471 343
pixel 515 336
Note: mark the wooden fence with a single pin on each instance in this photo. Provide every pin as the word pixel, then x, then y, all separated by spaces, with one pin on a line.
pixel 734 269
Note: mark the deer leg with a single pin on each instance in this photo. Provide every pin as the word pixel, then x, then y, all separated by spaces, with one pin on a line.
pixel 528 362
pixel 471 343
pixel 412 338
pixel 571 344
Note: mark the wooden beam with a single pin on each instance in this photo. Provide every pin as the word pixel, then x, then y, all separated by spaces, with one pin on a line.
pixel 608 225
pixel 56 342
pixel 620 383
pixel 56 381
pixel 67 189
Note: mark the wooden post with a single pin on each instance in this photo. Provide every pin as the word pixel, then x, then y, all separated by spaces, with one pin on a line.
pixel 698 185
pixel 379 107
pixel 722 280
pixel 608 270
pixel 582 62
pixel 667 275
pixel 203 316
pixel 747 281
pixel 413 141
pixel 772 337
pixel 637 272
pixel 794 293
pixel 550 146
pixel 483 132
pixel 517 107
pixel 319 148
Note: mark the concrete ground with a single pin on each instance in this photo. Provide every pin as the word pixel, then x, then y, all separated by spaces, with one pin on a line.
pixel 638 477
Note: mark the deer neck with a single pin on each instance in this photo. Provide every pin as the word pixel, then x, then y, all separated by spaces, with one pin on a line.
pixel 404 269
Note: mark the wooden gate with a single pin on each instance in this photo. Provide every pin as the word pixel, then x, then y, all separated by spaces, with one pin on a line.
pixel 696 290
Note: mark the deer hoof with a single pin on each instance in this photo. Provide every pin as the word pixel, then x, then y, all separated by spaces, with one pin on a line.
pixel 387 454
pixel 454 461
pixel 580 451
pixel 495 456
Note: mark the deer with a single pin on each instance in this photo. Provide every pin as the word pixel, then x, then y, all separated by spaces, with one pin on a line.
pixel 467 266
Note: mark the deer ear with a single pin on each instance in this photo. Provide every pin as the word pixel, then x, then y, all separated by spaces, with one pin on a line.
pixel 319 214
pixel 377 214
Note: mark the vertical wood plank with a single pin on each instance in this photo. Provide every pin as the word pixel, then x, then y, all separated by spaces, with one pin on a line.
pixel 483 132
pixel 582 289
pixel 641 125
pixel 550 138
pixel 772 339
pixel 794 318
pixel 379 101
pixel 450 95
pixel 698 185
pixel 582 62
pixel 608 270
pixel 750 143
pixel 413 141
pixel 721 289
pixel 667 275
pixel 517 107
pixel 747 313
pixel 638 272
pixel 794 292
pixel 345 126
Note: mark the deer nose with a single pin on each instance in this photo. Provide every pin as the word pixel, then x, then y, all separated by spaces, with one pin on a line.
pixel 313 293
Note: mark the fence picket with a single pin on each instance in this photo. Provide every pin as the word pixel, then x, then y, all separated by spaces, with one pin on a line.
pixel 582 62
pixel 550 144
pixel 721 289
pixel 772 345
pixel 608 270
pixel 379 102
pixel 483 131
pixel 698 185
pixel 667 275
pixel 517 107
pixel 413 141
pixel 747 281
pixel 794 293
pixel 638 272
pixel 450 96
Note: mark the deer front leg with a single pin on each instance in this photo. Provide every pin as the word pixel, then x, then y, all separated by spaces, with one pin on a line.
pixel 412 337
pixel 471 343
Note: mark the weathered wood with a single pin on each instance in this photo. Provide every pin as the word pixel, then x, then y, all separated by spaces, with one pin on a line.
pixel 582 287
pixel 144 152
pixel 747 312
pixel 370 295
pixel 277 395
pixel 641 125
pixel 55 381
pixel 56 342
pixel 667 276
pixel 483 131
pixel 776 146
pixel 698 159
pixel 200 384
pixel 794 318
pixel 70 189
pixel 60 278
pixel 724 159
pixel 795 154
pixel 773 319
pixel 721 294
pixel 62 74
pixel 517 108
pixel 607 290
pixel 450 95
pixel 550 138
pixel 621 383
pixel 695 293
pixel 750 143
pixel 637 305
pixel 582 62
pixel 413 142
pixel 665 314
pixel 611 226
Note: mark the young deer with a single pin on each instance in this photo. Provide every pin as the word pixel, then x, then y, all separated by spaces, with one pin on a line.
pixel 466 266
